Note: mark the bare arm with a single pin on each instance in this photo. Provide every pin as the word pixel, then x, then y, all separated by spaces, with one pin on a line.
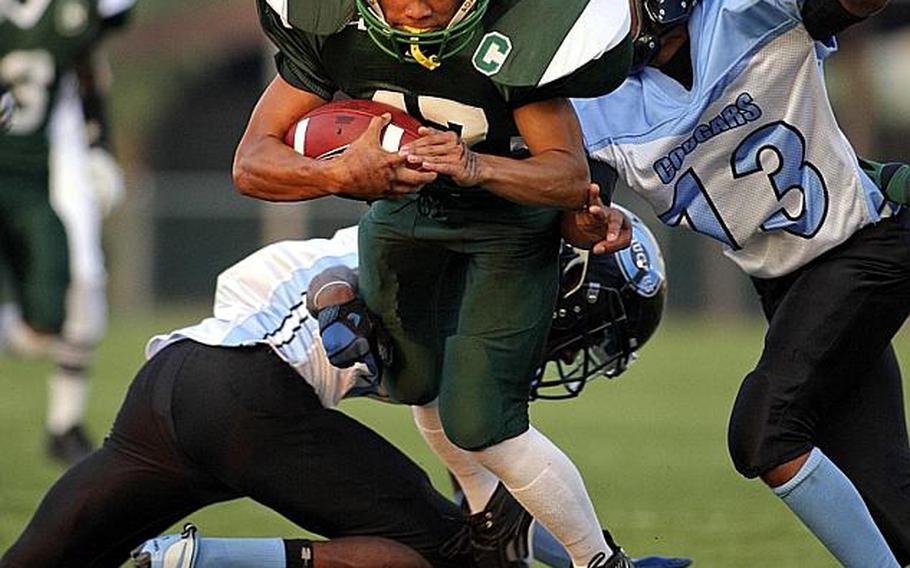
pixel 556 174
pixel 597 228
pixel 863 8
pixel 266 168
pixel 825 18
pixel 365 552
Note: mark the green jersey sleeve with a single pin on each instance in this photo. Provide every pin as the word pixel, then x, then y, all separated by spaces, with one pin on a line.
pixel 593 79
pixel 299 58
pixel 539 49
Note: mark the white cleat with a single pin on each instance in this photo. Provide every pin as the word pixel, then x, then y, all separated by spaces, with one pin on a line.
pixel 168 551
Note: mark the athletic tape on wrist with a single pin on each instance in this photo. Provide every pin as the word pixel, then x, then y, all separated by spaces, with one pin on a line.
pixel 328 285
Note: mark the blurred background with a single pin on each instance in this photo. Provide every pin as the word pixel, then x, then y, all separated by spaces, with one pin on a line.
pixel 651 445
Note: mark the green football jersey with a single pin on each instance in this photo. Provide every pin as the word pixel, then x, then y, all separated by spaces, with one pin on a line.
pixel 40 41
pixel 523 51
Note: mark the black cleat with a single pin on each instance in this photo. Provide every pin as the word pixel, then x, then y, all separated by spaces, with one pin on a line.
pixel 619 559
pixel 501 533
pixel 69 447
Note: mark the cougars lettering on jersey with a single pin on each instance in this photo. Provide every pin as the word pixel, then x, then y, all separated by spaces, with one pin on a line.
pixel 40 41
pixel 752 156
pixel 525 51
pixel 261 300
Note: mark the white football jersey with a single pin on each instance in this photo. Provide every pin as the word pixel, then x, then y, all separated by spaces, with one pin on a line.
pixel 752 155
pixel 262 300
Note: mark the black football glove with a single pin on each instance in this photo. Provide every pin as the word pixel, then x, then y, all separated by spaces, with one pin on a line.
pixel 352 334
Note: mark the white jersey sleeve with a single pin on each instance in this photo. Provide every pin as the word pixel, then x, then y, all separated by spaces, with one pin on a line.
pixel 112 8
pixel 262 300
pixel 752 155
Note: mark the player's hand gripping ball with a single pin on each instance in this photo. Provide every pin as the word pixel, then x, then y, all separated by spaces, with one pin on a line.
pixel 326 132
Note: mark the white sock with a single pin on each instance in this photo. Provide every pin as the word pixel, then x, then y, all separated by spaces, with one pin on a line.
pixel 543 479
pixel 22 341
pixel 67 399
pixel 477 482
pixel 10 319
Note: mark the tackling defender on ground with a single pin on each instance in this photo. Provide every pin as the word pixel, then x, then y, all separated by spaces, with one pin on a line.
pixel 241 405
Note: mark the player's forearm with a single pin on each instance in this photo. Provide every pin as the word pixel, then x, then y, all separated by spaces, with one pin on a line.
pixel 553 178
pixel 825 18
pixel 268 169
pixel 264 166
pixel 862 8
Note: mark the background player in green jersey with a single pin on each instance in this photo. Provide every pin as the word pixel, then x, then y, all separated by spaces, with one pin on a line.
pixel 461 263
pixel 49 220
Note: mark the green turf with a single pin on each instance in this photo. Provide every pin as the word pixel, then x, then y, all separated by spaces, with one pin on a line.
pixel 651 446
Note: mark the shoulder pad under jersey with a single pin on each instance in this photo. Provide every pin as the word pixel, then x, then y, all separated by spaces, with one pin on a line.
pixel 319 17
pixel 113 8
pixel 530 43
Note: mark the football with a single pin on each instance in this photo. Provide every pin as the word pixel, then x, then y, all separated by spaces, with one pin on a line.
pixel 327 131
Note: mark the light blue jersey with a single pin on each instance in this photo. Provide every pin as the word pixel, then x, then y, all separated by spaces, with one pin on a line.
pixel 752 155
pixel 261 300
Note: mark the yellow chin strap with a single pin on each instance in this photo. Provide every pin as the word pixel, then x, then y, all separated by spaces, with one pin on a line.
pixel 430 62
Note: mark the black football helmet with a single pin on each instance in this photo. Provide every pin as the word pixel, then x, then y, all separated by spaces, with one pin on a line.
pixel 608 307
pixel 654 18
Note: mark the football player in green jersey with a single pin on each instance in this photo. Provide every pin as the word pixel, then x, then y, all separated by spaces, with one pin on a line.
pixel 457 256
pixel 49 223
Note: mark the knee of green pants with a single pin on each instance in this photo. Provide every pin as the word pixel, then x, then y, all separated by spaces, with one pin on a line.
pixel 484 394
pixel 45 270
pixel 414 376
pixel 43 307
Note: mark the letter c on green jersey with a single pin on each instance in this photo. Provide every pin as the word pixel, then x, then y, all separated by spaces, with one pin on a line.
pixel 491 53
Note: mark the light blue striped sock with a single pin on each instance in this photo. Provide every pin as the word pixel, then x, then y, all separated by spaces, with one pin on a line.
pixel 240 553
pixel 826 501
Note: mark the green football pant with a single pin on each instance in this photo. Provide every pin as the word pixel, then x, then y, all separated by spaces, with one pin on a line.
pixel 467 294
pixel 33 247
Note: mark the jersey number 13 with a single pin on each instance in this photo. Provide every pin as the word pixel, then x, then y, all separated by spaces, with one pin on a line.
pixel 793 173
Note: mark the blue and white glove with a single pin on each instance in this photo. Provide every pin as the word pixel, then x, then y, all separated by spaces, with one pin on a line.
pixel 352 334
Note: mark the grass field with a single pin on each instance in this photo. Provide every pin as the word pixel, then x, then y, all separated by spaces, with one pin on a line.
pixel 650 445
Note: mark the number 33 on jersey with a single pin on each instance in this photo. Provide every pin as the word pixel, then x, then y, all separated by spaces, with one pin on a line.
pixel 751 155
pixel 40 40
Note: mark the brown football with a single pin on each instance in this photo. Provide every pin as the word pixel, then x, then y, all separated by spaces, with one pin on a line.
pixel 325 132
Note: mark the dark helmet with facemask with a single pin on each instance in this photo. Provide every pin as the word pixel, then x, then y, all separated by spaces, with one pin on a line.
pixel 608 307
pixel 654 18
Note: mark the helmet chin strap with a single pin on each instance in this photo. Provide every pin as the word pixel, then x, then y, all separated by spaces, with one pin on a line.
pixel 430 62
